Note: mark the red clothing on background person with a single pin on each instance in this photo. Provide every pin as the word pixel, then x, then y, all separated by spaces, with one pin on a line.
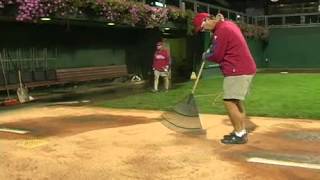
pixel 231 51
pixel 161 65
pixel 161 60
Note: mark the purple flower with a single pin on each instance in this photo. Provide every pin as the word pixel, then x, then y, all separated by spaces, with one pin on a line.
pixel 119 11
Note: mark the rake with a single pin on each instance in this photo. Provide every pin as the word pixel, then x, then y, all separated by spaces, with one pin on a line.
pixel 185 117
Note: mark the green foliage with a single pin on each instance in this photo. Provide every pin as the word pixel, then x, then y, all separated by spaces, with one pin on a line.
pixel 121 12
pixel 190 28
pixel 253 31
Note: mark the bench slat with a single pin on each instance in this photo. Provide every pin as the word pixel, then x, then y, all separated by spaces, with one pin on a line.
pixel 79 75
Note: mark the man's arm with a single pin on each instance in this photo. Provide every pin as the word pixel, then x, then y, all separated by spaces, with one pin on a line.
pixel 218 47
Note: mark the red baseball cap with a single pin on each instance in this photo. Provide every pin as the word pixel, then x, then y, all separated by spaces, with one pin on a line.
pixel 198 20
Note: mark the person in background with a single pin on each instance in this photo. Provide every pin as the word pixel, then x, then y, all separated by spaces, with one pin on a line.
pixel 161 66
pixel 230 50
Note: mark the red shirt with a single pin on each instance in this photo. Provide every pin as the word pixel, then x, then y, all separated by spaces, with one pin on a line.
pixel 231 51
pixel 161 60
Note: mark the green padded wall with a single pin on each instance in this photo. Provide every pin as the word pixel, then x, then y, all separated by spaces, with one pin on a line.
pixel 177 48
pixel 294 47
pixel 76 46
pixel 81 46
pixel 257 49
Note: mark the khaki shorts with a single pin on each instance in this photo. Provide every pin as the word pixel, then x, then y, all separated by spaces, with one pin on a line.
pixel 236 87
pixel 161 73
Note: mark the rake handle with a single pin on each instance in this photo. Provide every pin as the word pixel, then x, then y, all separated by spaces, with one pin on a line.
pixel 198 77
pixel 20 79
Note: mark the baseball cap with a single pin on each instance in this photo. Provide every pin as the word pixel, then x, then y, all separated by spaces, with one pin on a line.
pixel 198 20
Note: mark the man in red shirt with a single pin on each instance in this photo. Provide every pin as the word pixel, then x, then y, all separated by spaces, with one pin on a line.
pixel 161 65
pixel 230 50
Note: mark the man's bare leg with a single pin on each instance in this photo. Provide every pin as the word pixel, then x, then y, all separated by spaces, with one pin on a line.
pixel 156 82
pixel 235 115
pixel 242 111
pixel 248 124
pixel 166 83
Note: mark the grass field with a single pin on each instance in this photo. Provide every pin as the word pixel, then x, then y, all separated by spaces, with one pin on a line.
pixel 272 95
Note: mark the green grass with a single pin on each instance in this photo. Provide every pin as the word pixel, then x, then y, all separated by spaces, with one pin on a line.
pixel 272 95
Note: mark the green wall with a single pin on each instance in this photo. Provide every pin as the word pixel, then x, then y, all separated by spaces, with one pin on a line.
pixel 82 45
pixel 139 54
pixel 257 49
pixel 177 48
pixel 294 47
pixel 89 57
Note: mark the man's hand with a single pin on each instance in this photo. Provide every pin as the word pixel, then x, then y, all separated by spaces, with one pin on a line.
pixel 207 53
pixel 166 68
pixel 204 56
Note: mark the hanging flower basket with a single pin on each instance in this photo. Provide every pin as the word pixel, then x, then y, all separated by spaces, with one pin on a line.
pixel 254 31
pixel 120 12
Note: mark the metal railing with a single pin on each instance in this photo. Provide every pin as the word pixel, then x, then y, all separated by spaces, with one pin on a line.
pixel 27 58
pixel 283 20
pixel 287 20
pixel 197 6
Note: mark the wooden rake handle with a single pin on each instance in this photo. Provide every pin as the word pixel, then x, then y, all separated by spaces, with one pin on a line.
pixel 198 77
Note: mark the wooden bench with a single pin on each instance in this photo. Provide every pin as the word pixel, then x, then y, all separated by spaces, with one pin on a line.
pixel 71 75
pixel 91 73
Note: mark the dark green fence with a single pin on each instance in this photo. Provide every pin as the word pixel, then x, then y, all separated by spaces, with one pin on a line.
pixel 80 46
pixel 293 48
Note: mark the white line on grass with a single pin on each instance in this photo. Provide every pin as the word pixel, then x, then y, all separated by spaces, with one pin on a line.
pixel 283 163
